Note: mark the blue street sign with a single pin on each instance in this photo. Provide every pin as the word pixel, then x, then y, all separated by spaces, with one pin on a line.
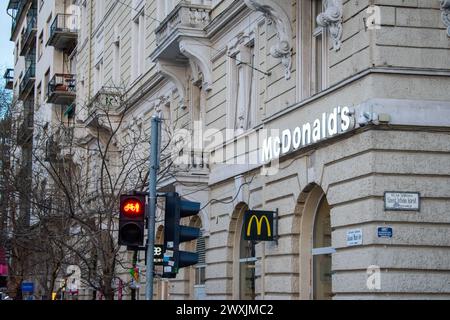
pixel 28 287
pixel 385 232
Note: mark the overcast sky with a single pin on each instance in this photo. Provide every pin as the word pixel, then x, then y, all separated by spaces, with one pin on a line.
pixel 6 46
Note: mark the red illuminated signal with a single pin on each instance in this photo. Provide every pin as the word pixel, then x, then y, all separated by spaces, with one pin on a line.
pixel 132 207
pixel 132 220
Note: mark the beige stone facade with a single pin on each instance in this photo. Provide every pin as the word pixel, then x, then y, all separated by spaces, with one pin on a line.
pixel 256 65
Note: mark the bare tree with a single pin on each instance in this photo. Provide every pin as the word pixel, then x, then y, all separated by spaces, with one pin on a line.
pixel 80 169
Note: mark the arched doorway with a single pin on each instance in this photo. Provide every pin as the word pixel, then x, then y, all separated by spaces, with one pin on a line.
pixel 244 258
pixel 315 244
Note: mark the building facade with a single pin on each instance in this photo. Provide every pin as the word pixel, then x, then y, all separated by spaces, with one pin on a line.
pixel 45 35
pixel 317 110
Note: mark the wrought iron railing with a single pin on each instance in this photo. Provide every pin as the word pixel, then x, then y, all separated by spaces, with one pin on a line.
pixel 31 26
pixel 64 23
pixel 9 78
pixel 18 7
pixel 62 83
pixel 186 15
pixel 29 75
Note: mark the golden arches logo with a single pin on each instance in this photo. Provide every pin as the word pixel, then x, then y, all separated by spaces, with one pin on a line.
pixel 259 222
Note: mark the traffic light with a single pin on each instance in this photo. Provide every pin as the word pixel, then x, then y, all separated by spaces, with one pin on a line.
pixel 131 220
pixel 174 234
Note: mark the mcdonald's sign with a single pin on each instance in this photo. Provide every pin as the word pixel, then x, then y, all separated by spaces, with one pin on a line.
pixel 258 226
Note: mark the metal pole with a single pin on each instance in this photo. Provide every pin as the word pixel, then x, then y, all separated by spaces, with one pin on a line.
pixel 154 167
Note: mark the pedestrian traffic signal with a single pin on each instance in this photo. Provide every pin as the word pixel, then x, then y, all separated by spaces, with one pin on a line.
pixel 131 220
pixel 174 234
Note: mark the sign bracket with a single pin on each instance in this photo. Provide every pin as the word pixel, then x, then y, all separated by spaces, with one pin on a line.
pixel 276 220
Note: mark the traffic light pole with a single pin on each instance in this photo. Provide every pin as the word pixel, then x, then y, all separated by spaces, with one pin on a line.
pixel 154 167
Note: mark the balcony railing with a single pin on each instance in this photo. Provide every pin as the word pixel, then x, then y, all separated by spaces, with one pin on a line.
pixel 18 7
pixel 185 15
pixel 62 89
pixel 29 36
pixel 9 79
pixel 24 133
pixel 28 80
pixel 59 145
pixel 64 32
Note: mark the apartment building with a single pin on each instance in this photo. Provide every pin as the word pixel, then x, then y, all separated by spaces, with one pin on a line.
pixel 45 35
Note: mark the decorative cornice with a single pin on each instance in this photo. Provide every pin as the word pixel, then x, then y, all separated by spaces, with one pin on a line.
pixel 275 14
pixel 445 7
pixel 331 19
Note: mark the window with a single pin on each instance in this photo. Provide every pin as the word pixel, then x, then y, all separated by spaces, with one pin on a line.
pixel 164 8
pixel 321 252
pixel 40 44
pixel 46 81
pixel 47 27
pixel 98 76
pixel 138 47
pixel 84 22
pixel 314 51
pixel 17 52
pixel 116 60
pixel 201 265
pixel 38 95
pixel 99 11
pixel 247 259
pixel 318 49
pixel 243 95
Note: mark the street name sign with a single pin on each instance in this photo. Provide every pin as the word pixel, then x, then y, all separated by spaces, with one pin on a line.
pixel 401 201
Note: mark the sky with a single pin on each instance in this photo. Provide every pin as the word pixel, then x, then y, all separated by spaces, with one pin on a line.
pixel 6 46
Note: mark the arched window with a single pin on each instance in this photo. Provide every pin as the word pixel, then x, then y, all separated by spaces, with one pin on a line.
pixel 244 257
pixel 321 252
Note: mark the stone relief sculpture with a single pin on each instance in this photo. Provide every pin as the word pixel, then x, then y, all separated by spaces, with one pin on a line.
pixel 276 15
pixel 445 7
pixel 331 19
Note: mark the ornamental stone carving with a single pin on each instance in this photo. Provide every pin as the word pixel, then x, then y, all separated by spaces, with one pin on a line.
pixel 331 19
pixel 177 74
pixel 276 15
pixel 445 7
pixel 198 52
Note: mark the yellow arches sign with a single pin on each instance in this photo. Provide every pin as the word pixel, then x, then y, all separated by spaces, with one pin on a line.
pixel 258 225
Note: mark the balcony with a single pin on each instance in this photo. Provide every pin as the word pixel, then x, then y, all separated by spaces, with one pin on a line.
pixel 25 134
pixel 182 43
pixel 29 35
pixel 51 150
pixel 60 146
pixel 185 18
pixel 9 79
pixel 103 107
pixel 64 32
pixel 61 89
pixel 27 83
pixel 186 166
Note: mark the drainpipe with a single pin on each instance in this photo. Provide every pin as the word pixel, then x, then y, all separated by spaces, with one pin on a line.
pixel 90 50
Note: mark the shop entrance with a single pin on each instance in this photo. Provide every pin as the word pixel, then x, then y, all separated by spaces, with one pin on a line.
pixel 315 248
